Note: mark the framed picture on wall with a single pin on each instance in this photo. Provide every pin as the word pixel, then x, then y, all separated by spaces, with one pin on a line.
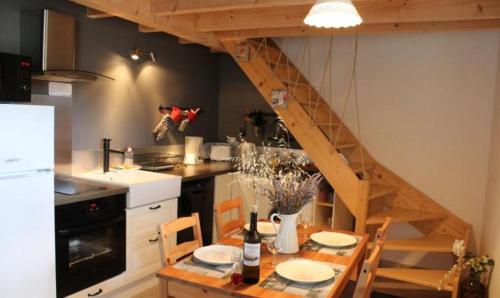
pixel 243 52
pixel 279 98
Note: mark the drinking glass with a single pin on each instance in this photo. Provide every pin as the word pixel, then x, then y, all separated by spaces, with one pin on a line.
pixel 306 224
pixel 273 246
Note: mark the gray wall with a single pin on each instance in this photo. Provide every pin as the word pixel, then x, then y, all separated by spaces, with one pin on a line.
pixel 126 110
pixel 237 96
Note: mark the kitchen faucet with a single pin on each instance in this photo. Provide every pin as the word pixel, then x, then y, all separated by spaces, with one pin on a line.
pixel 106 151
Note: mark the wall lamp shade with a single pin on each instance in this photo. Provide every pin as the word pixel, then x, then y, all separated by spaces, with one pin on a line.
pixel 333 14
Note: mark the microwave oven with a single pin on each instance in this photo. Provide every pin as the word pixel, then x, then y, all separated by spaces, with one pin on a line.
pixel 15 78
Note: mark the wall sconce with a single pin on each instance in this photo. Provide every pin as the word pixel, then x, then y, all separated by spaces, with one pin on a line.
pixel 136 54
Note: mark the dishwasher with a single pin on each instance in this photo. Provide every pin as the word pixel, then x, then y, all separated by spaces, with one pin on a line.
pixel 197 196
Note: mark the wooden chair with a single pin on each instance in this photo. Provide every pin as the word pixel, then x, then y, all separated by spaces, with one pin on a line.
pixel 382 231
pixel 369 269
pixel 172 252
pixel 226 228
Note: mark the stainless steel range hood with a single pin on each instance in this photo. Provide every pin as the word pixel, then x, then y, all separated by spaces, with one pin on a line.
pixel 49 38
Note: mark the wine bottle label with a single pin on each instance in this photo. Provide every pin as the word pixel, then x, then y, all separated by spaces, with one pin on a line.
pixel 251 254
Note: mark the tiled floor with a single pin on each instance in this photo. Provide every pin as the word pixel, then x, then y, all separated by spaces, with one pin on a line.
pixel 153 292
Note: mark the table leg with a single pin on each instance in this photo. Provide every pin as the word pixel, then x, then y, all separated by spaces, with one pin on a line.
pixel 163 288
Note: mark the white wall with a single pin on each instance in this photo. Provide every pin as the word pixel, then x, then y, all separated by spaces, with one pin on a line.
pixel 491 239
pixel 426 104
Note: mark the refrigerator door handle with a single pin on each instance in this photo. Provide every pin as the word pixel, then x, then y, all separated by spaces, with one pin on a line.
pixel 16 175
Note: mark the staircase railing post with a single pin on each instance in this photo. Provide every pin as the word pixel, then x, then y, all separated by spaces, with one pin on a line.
pixel 362 206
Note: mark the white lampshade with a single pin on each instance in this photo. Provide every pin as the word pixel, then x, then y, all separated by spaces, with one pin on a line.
pixel 333 14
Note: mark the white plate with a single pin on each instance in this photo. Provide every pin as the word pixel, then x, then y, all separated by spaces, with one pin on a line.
pixel 305 271
pixel 332 239
pixel 216 254
pixel 264 228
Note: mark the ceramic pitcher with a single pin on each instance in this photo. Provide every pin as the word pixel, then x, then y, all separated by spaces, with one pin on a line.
pixel 287 233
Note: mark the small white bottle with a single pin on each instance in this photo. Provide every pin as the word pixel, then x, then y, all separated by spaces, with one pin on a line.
pixel 129 158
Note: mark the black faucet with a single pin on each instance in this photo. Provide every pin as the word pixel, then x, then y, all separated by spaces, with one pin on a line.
pixel 106 151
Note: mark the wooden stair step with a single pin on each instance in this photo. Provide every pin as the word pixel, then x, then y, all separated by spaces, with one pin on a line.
pixel 357 167
pixel 402 215
pixel 426 244
pixel 423 277
pixel 388 284
pixel 379 191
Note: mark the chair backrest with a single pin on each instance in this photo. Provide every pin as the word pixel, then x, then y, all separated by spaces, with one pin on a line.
pixel 225 228
pixel 172 252
pixel 368 271
pixel 382 231
pixel 369 268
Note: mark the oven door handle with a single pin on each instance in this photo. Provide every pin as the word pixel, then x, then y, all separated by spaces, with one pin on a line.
pixel 75 231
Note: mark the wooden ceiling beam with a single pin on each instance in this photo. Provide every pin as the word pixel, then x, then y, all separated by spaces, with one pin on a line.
pixel 146 29
pixel 179 7
pixel 372 12
pixel 139 11
pixel 96 14
pixel 362 29
pixel 185 41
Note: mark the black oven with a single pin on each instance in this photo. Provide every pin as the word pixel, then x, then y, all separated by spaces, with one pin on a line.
pixel 15 78
pixel 90 243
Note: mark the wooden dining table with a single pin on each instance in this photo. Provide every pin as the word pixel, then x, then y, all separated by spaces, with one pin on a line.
pixel 178 283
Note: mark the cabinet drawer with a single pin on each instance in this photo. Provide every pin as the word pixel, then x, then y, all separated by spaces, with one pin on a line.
pixel 143 257
pixel 102 288
pixel 142 222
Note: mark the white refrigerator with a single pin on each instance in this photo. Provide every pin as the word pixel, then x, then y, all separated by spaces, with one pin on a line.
pixel 27 241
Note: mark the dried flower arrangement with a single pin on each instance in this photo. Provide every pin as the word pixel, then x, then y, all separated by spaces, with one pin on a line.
pixel 477 265
pixel 277 173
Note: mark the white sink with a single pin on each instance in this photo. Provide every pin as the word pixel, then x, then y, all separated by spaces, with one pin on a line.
pixel 144 187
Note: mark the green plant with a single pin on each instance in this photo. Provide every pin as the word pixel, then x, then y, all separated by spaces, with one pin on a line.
pixel 476 265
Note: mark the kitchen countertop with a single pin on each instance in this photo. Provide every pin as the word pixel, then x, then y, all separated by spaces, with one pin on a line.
pixel 200 171
pixel 107 190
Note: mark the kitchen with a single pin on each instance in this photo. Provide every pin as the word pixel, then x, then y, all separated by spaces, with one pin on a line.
pixel 125 109
pixel 115 122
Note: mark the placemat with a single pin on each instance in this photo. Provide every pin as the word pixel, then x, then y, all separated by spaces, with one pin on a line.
pixel 318 290
pixel 192 265
pixel 345 251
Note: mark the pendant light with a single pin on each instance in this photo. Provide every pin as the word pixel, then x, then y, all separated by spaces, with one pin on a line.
pixel 333 14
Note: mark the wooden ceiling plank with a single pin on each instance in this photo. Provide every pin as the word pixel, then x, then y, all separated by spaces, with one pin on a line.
pixel 185 41
pixel 139 11
pixel 96 14
pixel 146 29
pixel 372 12
pixel 179 7
pixel 362 29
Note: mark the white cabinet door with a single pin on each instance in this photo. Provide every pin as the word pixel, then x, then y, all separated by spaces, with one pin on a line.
pixel 142 222
pixel 143 238
pixel 27 236
pixel 100 289
pixel 27 138
pixel 143 257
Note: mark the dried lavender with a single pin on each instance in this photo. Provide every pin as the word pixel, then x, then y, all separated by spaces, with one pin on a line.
pixel 278 174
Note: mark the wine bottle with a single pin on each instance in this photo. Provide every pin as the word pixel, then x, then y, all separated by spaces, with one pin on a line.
pixel 251 251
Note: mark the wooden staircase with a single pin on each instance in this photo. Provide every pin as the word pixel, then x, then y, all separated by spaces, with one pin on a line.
pixel 370 192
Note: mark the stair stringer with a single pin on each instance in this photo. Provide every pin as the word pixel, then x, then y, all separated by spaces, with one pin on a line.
pixel 410 197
